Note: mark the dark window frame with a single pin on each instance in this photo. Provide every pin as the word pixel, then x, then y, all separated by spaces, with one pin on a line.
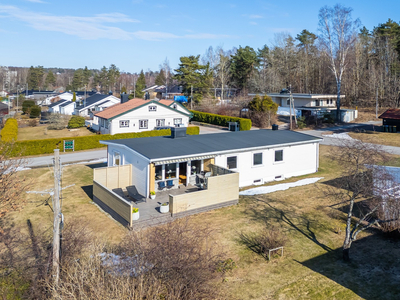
pixel 278 159
pixel 254 159
pixel 231 165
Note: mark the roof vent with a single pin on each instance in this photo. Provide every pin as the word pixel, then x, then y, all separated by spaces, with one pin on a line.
pixel 178 132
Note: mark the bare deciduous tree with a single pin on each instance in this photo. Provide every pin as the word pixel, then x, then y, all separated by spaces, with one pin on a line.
pixel 363 186
pixel 337 37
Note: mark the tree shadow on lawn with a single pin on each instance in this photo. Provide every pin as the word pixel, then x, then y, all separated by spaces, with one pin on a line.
pixel 297 222
pixel 373 272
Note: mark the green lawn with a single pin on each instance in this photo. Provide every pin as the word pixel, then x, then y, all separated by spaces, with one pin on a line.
pixel 41 132
pixel 311 267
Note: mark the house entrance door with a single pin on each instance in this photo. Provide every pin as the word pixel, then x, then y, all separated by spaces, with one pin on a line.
pixel 182 173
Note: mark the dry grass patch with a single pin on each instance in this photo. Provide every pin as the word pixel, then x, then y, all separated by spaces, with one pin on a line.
pixel 41 132
pixel 375 137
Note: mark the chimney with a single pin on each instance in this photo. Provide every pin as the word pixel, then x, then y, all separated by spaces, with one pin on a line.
pixel 178 132
pixel 124 98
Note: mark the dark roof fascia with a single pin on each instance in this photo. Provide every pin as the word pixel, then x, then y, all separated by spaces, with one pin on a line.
pixel 144 104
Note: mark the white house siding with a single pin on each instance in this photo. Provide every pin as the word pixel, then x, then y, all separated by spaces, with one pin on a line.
pixel 282 101
pixel 297 160
pixel 143 113
pixel 67 110
pixel 140 164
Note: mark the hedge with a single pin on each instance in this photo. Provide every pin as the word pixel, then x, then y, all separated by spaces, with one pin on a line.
pixel 9 132
pixel 47 146
pixel 35 111
pixel 244 124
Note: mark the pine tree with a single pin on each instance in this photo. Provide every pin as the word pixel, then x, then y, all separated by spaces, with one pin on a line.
pixel 242 65
pixel 50 80
pixel 161 79
pixel 86 74
pixel 140 85
pixel 74 97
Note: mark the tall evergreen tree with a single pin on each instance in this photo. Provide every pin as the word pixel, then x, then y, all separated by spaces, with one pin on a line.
pixel 77 80
pixel 86 74
pixel 50 80
pixel 113 75
pixel 242 65
pixel 161 79
pixel 140 85
pixel 35 77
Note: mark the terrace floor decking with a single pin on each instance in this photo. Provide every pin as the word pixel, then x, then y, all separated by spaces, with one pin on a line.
pixel 149 211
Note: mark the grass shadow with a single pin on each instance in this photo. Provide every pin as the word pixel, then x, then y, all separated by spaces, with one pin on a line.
pixel 295 221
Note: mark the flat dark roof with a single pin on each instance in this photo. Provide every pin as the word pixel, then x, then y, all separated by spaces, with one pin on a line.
pixel 162 147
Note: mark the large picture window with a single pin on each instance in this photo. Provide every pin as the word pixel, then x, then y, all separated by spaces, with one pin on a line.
pixel 232 162
pixel 196 167
pixel 143 124
pixel 257 159
pixel 170 171
pixel 158 175
pixel 278 155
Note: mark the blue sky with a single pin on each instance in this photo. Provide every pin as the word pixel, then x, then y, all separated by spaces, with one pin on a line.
pixel 140 34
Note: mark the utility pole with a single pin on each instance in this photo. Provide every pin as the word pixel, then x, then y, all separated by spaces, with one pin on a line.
pixel 191 97
pixel 290 107
pixel 377 105
pixel 56 221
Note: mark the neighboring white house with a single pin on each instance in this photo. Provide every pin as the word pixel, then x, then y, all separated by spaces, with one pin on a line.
pixel 305 100
pixel 63 96
pixel 257 155
pixel 55 107
pixel 95 103
pixel 3 94
pixel 67 108
pixel 140 115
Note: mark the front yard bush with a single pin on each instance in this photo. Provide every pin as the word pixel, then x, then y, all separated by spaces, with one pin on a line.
pixel 27 105
pixel 35 111
pixel 244 124
pixel 76 122
pixel 46 146
pixel 10 131
pixel 193 130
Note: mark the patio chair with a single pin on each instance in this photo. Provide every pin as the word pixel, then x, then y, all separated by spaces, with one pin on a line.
pixel 170 184
pixel 161 185
pixel 134 194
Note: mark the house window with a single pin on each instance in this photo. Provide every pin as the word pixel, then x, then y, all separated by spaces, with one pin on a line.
pixel 117 159
pixel 231 162
pixel 257 159
pixel 160 122
pixel 177 121
pixel 288 102
pixel 143 124
pixel 196 167
pixel 106 122
pixel 170 171
pixel 152 108
pixel 158 175
pixel 278 155
pixel 123 124
pixel 174 106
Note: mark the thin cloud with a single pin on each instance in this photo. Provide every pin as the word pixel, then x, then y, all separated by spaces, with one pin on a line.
pixel 89 28
pixel 95 27
pixel 255 17
pixel 36 1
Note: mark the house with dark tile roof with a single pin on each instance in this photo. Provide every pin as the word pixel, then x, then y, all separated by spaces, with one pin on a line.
pixel 95 103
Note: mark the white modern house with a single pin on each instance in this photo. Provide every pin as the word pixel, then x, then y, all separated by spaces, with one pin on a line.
pixel 138 115
pixel 258 156
pixel 95 103
pixel 305 100
pixel 64 107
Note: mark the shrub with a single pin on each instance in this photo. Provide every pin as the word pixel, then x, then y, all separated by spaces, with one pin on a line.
pixel 76 122
pixel 33 123
pixel 244 124
pixel 301 122
pixel 10 131
pixel 35 111
pixel 27 105
pixel 193 130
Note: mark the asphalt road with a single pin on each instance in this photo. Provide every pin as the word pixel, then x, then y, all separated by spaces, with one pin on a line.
pixel 96 155
pixel 82 156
